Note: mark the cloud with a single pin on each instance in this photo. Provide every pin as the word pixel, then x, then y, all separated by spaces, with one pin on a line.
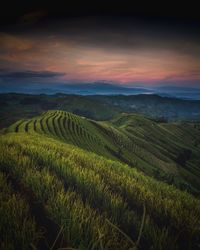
pixel 91 51
pixel 33 17
pixel 14 43
pixel 29 74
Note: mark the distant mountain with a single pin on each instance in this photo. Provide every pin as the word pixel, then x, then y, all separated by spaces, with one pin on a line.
pixel 179 92
pixel 101 88
pixel 96 88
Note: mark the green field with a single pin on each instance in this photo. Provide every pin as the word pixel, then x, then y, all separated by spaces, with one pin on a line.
pixel 67 182
pixel 167 151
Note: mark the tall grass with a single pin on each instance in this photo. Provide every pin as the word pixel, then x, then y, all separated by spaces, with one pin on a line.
pixel 81 190
pixel 18 229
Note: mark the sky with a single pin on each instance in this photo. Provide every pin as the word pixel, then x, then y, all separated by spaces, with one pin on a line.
pixel 128 48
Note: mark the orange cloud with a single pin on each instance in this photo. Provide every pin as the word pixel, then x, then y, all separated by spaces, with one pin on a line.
pixel 10 43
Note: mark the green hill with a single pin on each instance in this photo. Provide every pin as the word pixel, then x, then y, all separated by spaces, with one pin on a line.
pixel 55 195
pixel 166 151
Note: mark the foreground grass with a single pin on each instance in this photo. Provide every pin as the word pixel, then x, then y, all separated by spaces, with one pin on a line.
pixel 18 229
pixel 81 192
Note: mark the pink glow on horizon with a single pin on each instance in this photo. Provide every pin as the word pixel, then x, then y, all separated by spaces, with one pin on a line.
pixel 87 63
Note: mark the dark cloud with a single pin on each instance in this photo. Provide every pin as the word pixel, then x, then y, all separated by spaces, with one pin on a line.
pixel 124 33
pixel 10 12
pixel 33 17
pixel 29 74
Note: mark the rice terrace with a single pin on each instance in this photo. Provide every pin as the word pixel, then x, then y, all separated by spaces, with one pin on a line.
pixel 89 193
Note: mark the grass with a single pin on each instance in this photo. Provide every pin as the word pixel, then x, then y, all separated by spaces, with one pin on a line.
pixel 18 229
pixel 152 147
pixel 82 191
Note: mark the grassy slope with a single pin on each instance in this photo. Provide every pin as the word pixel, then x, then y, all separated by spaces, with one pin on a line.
pixel 80 190
pixel 154 148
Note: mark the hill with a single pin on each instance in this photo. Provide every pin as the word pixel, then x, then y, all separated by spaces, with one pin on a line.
pixel 14 107
pixel 55 195
pixel 167 151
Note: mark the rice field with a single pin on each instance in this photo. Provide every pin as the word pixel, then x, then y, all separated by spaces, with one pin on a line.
pixel 93 202
pixel 153 148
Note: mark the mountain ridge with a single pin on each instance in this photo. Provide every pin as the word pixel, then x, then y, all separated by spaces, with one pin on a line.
pixel 102 88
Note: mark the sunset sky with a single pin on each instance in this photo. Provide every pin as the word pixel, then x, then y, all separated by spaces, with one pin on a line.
pixel 121 50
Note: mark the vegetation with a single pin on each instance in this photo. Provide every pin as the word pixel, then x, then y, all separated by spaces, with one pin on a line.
pixel 166 151
pixel 68 182
pixel 18 229
pixel 98 203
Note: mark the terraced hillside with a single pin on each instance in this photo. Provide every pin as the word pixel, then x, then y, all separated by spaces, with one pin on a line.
pixel 67 127
pixel 167 151
pixel 54 195
pixel 173 148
